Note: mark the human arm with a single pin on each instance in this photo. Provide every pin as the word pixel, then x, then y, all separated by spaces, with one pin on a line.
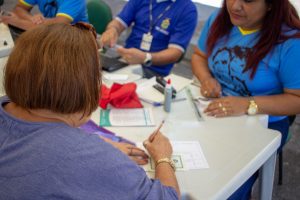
pixel 159 147
pixel 110 36
pixel 287 103
pixel 136 56
pixel 210 87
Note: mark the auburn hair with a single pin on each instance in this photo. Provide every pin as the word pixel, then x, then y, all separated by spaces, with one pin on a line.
pixel 54 67
pixel 282 13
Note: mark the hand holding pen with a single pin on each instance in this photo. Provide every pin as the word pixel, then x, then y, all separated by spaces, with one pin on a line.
pixel 158 145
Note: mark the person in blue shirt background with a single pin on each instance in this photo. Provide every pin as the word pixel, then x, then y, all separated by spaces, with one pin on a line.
pixel 161 31
pixel 248 60
pixel 52 11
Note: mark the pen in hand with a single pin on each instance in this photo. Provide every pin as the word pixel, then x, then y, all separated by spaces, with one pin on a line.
pixel 156 131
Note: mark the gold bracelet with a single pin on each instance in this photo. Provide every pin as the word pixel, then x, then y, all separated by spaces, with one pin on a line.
pixel 166 160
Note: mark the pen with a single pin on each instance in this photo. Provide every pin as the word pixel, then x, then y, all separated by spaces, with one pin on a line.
pixel 189 93
pixel 157 130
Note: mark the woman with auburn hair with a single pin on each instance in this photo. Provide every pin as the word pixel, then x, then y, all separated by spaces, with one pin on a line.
pixel 52 82
pixel 247 60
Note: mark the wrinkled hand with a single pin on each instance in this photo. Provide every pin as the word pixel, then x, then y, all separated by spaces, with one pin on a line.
pixel 211 88
pixel 158 146
pixel 109 38
pixel 132 55
pixel 37 19
pixel 227 106
pixel 136 154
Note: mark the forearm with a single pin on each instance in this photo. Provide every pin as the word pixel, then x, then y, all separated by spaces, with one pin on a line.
pixel 170 55
pixel 282 104
pixel 21 23
pixel 116 26
pixel 22 12
pixel 165 173
pixel 200 66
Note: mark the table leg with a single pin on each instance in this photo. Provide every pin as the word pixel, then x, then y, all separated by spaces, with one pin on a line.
pixel 266 178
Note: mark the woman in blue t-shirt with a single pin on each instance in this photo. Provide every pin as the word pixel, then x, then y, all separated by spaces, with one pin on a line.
pixel 248 59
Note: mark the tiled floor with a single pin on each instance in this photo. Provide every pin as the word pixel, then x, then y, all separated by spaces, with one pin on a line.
pixel 290 190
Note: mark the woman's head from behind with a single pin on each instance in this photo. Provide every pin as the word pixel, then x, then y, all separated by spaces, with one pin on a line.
pixel 54 67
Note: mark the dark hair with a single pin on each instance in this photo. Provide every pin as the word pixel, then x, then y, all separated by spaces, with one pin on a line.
pixel 282 12
pixel 54 67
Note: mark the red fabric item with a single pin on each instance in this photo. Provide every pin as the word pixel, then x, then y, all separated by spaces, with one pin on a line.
pixel 120 96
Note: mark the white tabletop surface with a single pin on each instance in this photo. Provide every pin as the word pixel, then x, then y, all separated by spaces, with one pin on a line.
pixel 235 147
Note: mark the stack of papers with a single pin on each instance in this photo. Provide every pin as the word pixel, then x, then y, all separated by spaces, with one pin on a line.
pixel 187 155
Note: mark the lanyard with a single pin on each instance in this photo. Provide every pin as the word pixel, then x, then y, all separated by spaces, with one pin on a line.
pixel 159 16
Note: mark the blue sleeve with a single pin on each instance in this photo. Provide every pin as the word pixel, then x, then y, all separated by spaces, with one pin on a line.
pixel 28 2
pixel 100 171
pixel 127 15
pixel 184 29
pixel 72 8
pixel 289 72
pixel 205 30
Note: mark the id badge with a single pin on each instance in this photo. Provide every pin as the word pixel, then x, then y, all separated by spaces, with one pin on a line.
pixel 146 41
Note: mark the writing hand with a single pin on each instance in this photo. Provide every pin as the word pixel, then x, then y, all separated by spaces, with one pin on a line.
pixel 132 55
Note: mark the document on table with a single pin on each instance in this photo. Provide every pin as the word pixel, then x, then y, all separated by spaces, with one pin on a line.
pixel 187 155
pixel 127 117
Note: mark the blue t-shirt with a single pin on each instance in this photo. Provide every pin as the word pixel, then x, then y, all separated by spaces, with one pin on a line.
pixel 174 28
pixel 55 161
pixel 75 10
pixel 278 70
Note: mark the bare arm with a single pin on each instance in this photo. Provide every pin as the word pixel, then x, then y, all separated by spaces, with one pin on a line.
pixel 112 33
pixel 159 147
pixel 287 103
pixel 136 56
pixel 23 11
pixel 209 85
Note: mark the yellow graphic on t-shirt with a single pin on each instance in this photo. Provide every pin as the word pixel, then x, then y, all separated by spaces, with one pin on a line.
pixel 165 23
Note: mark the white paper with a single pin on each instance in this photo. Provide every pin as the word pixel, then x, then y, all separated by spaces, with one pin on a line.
pixel 127 117
pixel 187 155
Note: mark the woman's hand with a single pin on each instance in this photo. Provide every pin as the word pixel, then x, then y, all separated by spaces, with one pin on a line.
pixel 136 154
pixel 210 87
pixel 227 106
pixel 158 146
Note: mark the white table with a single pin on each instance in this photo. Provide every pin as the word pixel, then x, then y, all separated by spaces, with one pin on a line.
pixel 235 147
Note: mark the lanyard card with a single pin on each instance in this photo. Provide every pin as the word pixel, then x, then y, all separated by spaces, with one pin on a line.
pixel 146 41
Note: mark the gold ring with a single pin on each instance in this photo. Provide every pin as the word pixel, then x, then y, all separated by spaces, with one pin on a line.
pixel 205 92
pixel 220 105
pixel 224 109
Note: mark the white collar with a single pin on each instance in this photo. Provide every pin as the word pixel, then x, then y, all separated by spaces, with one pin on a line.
pixel 159 1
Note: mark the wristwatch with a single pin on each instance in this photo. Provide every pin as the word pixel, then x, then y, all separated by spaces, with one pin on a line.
pixel 252 108
pixel 166 160
pixel 148 60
